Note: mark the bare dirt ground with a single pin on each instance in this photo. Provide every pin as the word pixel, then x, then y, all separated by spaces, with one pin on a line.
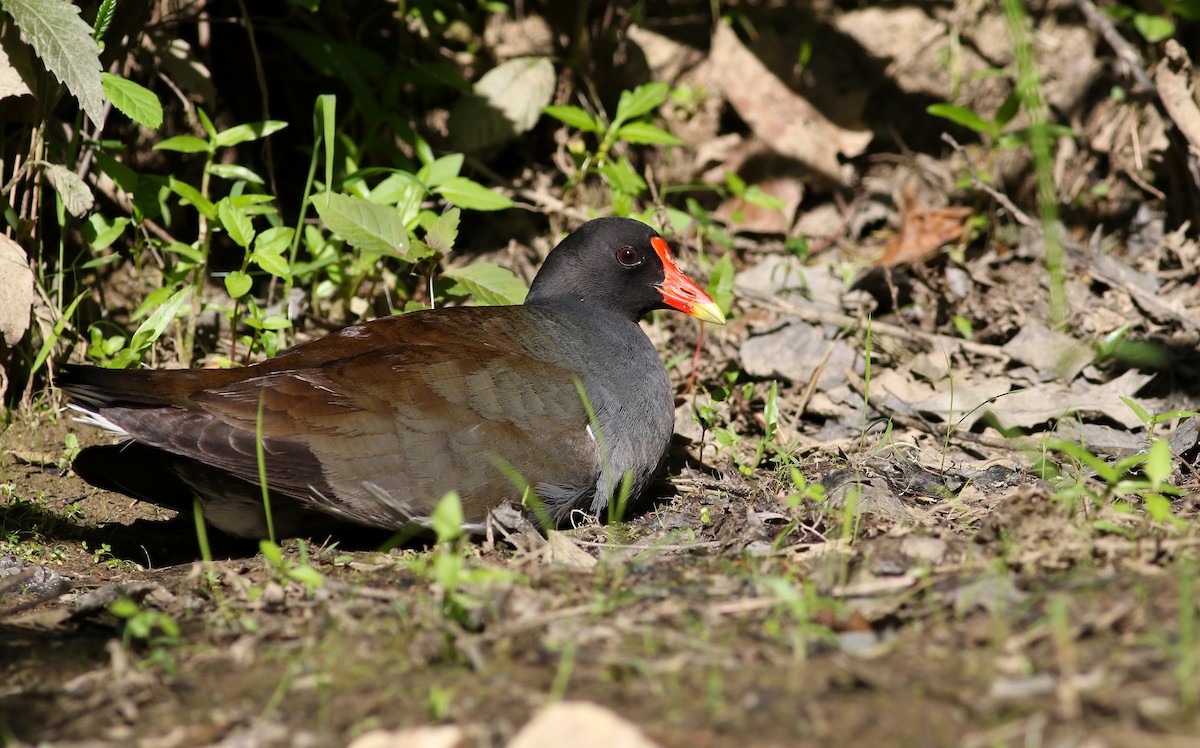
pixel 996 555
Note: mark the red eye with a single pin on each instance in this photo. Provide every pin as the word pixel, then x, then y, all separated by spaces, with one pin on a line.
pixel 629 257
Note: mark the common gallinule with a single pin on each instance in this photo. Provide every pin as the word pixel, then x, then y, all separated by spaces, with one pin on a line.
pixel 375 423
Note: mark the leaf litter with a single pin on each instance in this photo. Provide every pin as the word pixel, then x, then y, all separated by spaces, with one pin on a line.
pixel 942 588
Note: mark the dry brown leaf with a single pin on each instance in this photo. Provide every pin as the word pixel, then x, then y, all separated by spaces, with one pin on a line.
pixel 924 231
pixel 785 120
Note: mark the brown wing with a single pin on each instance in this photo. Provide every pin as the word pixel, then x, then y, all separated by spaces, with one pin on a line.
pixel 377 430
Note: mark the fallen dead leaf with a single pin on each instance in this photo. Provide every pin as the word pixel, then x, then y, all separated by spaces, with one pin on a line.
pixel 923 232
pixel 785 120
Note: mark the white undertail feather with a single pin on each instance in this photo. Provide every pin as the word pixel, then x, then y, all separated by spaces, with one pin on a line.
pixel 96 420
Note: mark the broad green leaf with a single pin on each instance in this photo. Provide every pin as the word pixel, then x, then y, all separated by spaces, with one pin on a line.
pixel 237 224
pixel 1159 462
pixel 441 170
pixel 239 134
pixel 442 231
pixel 193 196
pixel 573 116
pixel 99 232
pixel 154 326
pixel 396 188
pixel 275 240
pixel 237 284
pixel 448 518
pixel 134 100
pixel 235 172
pixel 1008 110
pixel 644 133
pixel 365 225
pixel 471 195
pixel 621 176
pixel 64 44
pixel 506 102
pixel 275 264
pixel 183 144
pixel 491 285
pixel 76 195
pixel 1153 29
pixel 755 196
pixel 962 116
pixel 639 101
pixel 720 283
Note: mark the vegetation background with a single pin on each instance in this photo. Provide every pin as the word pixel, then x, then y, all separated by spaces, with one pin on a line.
pixel 934 484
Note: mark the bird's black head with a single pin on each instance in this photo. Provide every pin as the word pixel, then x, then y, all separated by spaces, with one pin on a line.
pixel 622 266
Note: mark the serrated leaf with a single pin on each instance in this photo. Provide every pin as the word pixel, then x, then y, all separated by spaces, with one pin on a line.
pixel 365 225
pixel 639 101
pixel 237 224
pixel 183 144
pixel 237 284
pixel 64 44
pixel 76 195
pixel 239 134
pixel 104 16
pixel 506 102
pixel 134 100
pixel 491 285
pixel 647 134
pixel 443 231
pixel 154 326
pixel 472 195
pixel 573 116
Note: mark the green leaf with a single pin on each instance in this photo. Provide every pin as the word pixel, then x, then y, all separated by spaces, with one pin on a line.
pixel 365 225
pixel 962 116
pixel 443 231
pixel 306 575
pixel 104 15
pixel 441 170
pixel 154 326
pixel 64 44
pixel 720 283
pixel 644 133
pixel 1159 462
pixel 573 116
pixel 1138 410
pixel 271 551
pixel 234 172
pixel 237 224
pixel 621 176
pixel 100 233
pixel 275 264
pixel 755 196
pixel 193 196
pixel 472 195
pixel 1008 110
pixel 183 144
pixel 491 285
pixel 134 100
pixel 239 134
pixel 448 518
pixel 237 284
pixel 639 101
pixel 1153 29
